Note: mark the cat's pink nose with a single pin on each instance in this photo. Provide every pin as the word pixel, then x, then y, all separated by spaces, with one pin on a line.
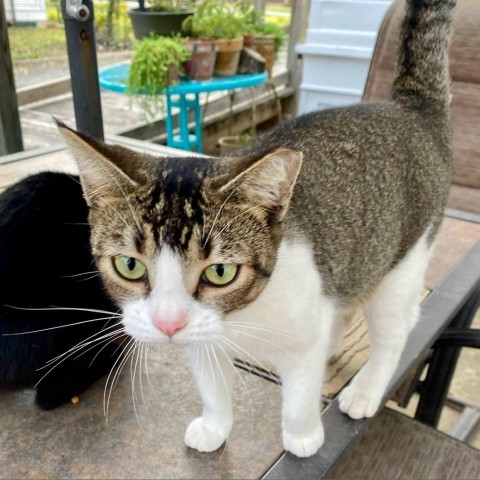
pixel 171 326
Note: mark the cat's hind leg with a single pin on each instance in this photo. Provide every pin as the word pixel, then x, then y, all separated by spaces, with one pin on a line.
pixel 391 314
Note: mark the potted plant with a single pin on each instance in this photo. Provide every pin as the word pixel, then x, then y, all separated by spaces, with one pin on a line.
pixel 157 63
pixel 219 20
pixel 264 37
pixel 161 17
pixel 267 41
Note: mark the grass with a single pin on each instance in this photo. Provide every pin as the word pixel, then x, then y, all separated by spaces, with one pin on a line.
pixel 33 42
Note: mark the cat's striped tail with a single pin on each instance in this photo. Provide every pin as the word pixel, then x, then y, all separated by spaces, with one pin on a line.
pixel 422 68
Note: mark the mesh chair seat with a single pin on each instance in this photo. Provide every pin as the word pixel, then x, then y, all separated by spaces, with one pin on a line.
pixel 395 446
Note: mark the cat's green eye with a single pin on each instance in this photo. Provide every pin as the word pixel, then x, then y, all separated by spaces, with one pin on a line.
pixel 220 274
pixel 129 267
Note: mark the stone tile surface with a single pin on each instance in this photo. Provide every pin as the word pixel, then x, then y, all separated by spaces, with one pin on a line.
pixel 75 441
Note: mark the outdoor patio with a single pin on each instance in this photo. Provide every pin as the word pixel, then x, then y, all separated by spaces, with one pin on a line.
pixel 142 437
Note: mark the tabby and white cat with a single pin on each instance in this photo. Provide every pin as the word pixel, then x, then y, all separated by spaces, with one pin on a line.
pixel 261 254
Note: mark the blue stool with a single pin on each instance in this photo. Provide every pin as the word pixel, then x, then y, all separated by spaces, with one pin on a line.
pixel 185 96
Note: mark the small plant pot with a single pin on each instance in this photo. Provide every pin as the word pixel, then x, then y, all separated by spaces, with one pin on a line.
pixel 265 46
pixel 228 56
pixel 229 144
pixel 202 62
pixel 161 23
pixel 248 40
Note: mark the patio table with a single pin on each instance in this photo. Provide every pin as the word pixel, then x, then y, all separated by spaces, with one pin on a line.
pixel 146 441
pixel 186 97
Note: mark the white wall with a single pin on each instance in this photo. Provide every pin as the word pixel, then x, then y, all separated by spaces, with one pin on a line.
pixel 337 51
pixel 25 10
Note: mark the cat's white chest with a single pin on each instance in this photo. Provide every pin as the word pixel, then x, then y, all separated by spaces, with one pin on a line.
pixel 286 317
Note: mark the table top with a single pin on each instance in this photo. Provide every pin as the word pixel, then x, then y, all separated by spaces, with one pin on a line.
pixel 75 441
pixel 115 78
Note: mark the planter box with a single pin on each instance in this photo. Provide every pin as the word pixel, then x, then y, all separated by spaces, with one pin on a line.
pixel 337 51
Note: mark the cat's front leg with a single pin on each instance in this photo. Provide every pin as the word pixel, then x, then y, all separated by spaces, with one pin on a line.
pixel 302 380
pixel 213 372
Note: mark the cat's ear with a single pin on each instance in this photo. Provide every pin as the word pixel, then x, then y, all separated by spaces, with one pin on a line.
pixel 267 181
pixel 100 177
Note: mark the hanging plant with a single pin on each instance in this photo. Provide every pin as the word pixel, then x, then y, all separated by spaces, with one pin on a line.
pixel 157 63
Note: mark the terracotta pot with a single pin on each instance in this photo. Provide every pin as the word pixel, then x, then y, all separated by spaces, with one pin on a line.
pixel 265 46
pixel 160 23
pixel 202 62
pixel 248 40
pixel 228 56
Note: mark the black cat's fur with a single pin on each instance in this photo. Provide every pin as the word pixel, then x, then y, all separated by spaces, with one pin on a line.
pixel 44 241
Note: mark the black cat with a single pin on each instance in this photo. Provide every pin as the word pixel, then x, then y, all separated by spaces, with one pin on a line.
pixel 44 262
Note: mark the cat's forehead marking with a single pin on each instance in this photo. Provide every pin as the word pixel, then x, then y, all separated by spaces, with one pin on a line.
pixel 174 204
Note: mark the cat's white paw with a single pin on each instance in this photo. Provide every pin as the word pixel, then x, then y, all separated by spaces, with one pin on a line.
pixel 202 438
pixel 358 402
pixel 304 445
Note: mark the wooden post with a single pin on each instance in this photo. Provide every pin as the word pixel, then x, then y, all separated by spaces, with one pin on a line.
pixel 10 130
pixel 298 27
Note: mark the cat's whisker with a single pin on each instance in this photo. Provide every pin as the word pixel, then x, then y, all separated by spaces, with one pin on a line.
pixel 192 376
pixel 80 274
pixel 218 215
pixel 56 327
pixel 214 355
pixel 237 348
pixel 140 365
pixel 146 367
pixel 76 347
pixel 126 223
pixel 262 329
pixel 68 309
pixel 120 361
pixel 90 278
pixel 82 343
pixel 111 336
pixel 256 337
pixel 211 367
pixel 54 363
pixel 243 212
pixel 107 343
pixel 235 369
pixel 132 212
pixel 133 372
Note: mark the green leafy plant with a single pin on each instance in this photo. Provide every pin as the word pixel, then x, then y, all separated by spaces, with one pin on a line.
pixel 251 16
pixel 255 23
pixel 156 64
pixel 267 28
pixel 215 19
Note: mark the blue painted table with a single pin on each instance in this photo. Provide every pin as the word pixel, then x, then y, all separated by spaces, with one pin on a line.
pixel 185 96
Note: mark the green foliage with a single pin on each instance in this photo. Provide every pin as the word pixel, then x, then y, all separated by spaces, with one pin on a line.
pixel 251 16
pixel 215 19
pixel 54 13
pixel 170 5
pixel 122 26
pixel 256 24
pixel 32 42
pixel 153 67
pixel 268 28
